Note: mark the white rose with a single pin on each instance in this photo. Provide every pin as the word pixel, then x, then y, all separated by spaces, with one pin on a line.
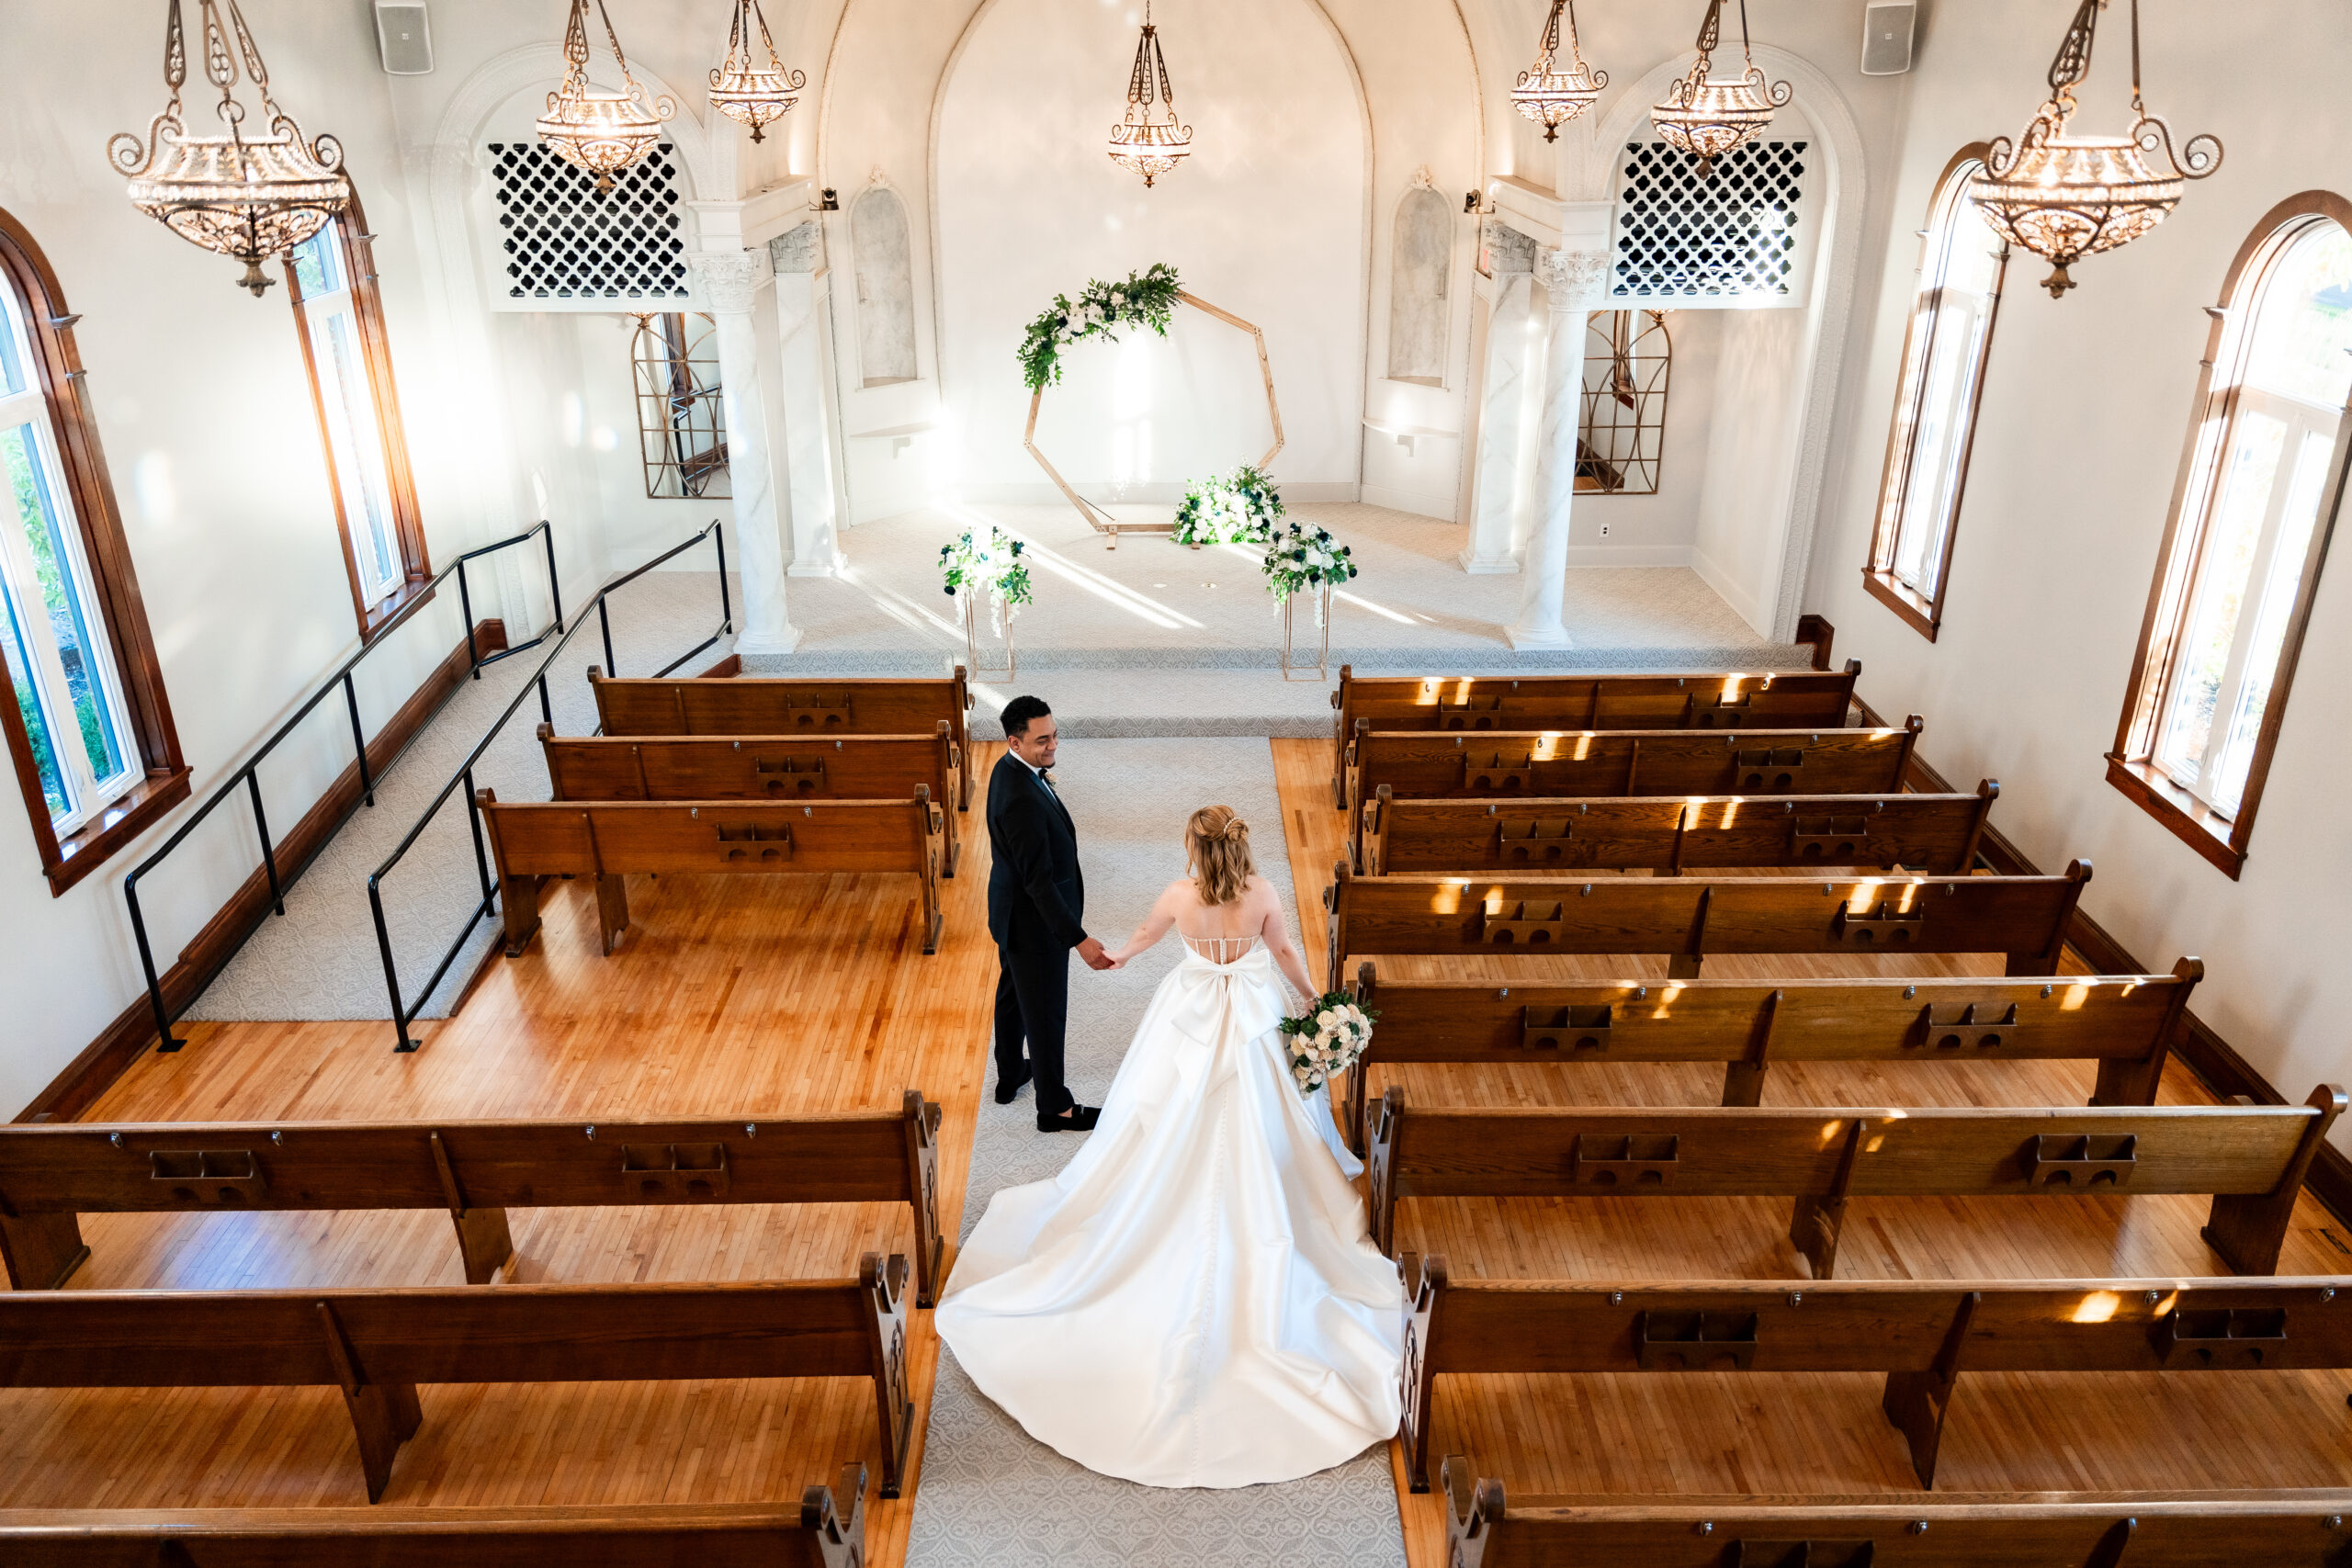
pixel 1325 1020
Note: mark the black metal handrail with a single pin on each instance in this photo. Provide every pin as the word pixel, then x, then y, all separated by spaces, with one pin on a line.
pixel 401 1013
pixel 250 778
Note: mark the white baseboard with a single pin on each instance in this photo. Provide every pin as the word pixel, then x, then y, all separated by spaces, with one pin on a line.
pixel 1419 503
pixel 1631 555
pixel 1730 591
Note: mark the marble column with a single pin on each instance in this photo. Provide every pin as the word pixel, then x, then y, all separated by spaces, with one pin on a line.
pixel 1575 283
pixel 1499 493
pixel 803 324
pixel 730 283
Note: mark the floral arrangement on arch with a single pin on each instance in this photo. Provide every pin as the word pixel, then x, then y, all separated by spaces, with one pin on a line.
pixel 1299 558
pixel 990 565
pixel 1328 1040
pixel 1146 298
pixel 1239 508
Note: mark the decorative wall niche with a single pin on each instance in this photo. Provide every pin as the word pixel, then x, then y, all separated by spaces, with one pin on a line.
pixel 1419 273
pixel 884 260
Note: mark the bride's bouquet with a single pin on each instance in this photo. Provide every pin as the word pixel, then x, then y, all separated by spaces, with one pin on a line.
pixel 1329 1040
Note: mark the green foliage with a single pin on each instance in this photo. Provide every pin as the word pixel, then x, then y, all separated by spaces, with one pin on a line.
pixel 1239 508
pixel 1146 298
pixel 989 565
pixel 1302 558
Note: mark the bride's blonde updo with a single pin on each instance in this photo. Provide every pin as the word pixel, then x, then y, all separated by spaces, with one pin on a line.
pixel 1219 842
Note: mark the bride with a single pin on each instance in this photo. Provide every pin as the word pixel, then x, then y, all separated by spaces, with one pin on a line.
pixel 1193 1301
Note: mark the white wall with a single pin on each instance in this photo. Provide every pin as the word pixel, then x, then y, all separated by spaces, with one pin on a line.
pixel 2086 404
pixel 1266 221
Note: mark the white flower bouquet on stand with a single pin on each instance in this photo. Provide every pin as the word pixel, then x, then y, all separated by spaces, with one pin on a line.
pixel 1307 560
pixel 1328 1040
pixel 987 567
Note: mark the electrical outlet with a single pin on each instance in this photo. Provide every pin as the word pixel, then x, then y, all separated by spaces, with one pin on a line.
pixel 1604 530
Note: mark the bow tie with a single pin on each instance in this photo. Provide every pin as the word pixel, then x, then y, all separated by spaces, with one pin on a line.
pixel 1044 777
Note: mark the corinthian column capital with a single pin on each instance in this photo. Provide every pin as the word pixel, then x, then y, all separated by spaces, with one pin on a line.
pixel 1576 280
pixel 729 279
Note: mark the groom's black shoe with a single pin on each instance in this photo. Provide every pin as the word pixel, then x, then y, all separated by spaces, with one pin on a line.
pixel 1007 1088
pixel 1077 1119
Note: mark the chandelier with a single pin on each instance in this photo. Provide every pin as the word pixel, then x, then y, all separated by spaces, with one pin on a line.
pixel 752 97
pixel 1139 143
pixel 2064 197
pixel 1552 97
pixel 1706 117
pixel 243 197
pixel 600 133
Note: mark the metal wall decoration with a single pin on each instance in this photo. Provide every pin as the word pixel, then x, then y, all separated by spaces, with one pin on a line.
pixel 754 96
pixel 1732 234
pixel 246 198
pixel 1621 438
pixel 2064 197
pixel 600 133
pixel 681 419
pixel 1549 95
pixel 1149 147
pixel 564 242
pixel 1707 116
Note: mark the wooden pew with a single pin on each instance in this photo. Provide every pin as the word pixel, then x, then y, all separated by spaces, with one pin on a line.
pixel 826 1530
pixel 1687 917
pixel 532 840
pixel 1934 833
pixel 2145 1529
pixel 722 702
pixel 762 767
pixel 2250 1160
pixel 1519 764
pixel 377 1344
pixel 1922 1334
pixel 1803 699
pixel 51 1174
pixel 2124 1022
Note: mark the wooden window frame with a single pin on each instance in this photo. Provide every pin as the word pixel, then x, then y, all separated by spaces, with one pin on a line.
pixel 2131 766
pixel 1925 612
pixel 408 525
pixel 123 615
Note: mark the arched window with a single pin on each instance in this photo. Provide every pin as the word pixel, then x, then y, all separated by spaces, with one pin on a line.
pixel 1960 268
pixel 2258 489
pixel 87 728
pixel 331 279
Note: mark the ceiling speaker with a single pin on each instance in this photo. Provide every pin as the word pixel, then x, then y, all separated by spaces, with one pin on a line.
pixel 404 36
pixel 1886 36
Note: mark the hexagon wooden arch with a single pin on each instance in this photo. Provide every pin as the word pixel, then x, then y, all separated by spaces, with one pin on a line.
pixel 1102 521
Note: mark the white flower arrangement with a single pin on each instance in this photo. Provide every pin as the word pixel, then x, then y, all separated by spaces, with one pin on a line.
pixel 1329 1040
pixel 1145 298
pixel 1298 559
pixel 1239 508
pixel 989 565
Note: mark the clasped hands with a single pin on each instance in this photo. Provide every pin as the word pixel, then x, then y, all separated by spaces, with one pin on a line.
pixel 1091 951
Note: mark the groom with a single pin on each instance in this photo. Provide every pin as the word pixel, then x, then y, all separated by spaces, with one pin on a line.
pixel 1036 899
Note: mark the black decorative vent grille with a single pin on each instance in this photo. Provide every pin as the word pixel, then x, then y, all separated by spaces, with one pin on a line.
pixel 1731 234
pixel 565 241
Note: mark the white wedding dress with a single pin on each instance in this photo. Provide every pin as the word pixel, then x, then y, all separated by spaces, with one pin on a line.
pixel 1194 1300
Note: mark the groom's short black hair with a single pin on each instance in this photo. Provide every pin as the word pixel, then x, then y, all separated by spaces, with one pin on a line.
pixel 1021 712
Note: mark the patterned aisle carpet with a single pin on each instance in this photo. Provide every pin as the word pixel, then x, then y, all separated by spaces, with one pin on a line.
pixel 989 1493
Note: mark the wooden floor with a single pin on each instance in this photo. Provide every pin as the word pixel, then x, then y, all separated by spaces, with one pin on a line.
pixel 810 995
pixel 763 997
pixel 1729 1433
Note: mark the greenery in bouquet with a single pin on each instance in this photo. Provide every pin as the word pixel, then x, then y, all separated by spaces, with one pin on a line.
pixel 1299 558
pixel 1329 1040
pixel 1146 298
pixel 988 564
pixel 1239 508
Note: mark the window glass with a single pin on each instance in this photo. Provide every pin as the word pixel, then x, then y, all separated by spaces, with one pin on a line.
pixel 348 403
pixel 59 662
pixel 2276 456
pixel 1960 279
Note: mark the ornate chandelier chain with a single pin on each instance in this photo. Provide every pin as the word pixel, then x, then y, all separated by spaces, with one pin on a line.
pixel 756 95
pixel 1549 95
pixel 599 133
pixel 1149 147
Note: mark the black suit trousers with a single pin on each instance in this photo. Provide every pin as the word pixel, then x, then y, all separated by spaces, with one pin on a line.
pixel 1033 1002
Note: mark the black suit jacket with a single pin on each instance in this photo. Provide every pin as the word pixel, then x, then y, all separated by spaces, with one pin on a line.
pixel 1036 892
